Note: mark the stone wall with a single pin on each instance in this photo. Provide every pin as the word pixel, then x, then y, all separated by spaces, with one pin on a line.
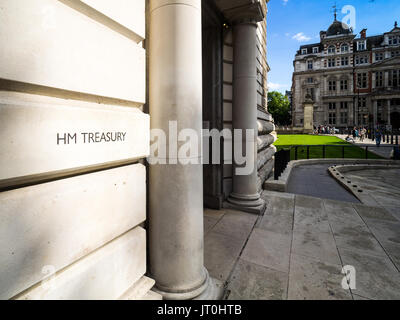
pixel 266 127
pixel 72 182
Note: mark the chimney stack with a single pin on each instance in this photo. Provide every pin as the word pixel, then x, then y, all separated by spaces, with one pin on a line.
pixel 363 33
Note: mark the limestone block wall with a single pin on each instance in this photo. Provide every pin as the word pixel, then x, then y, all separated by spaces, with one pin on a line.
pixel 227 108
pixel 72 139
pixel 266 126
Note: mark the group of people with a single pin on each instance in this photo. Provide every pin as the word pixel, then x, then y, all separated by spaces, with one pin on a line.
pixel 358 133
pixel 324 130
pixel 361 133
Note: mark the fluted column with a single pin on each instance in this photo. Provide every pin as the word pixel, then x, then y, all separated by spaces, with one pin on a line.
pixel 176 190
pixel 244 194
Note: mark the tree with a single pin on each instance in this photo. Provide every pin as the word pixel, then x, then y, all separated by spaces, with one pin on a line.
pixel 279 107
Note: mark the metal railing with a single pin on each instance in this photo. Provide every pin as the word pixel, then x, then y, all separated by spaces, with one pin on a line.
pixel 284 156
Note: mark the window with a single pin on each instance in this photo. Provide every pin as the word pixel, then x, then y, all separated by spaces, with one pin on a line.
pixel 361 45
pixel 332 106
pixel 343 85
pixel 344 47
pixel 303 51
pixel 332 85
pixel 331 63
pixel 394 76
pixel 331 49
pixel 362 81
pixel 344 105
pixel 310 80
pixel 315 50
pixel 393 40
pixel 395 54
pixel 345 61
pixel 379 56
pixel 379 82
pixel 361 59
pixel 309 65
pixel 332 118
pixel 343 117
pixel 362 103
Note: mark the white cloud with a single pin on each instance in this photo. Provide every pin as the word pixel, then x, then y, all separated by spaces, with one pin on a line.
pixel 287 34
pixel 285 2
pixel 276 86
pixel 301 37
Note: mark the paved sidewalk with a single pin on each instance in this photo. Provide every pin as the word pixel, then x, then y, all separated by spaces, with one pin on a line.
pixel 384 150
pixel 298 248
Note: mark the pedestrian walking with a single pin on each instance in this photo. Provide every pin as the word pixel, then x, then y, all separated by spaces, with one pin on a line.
pixel 378 137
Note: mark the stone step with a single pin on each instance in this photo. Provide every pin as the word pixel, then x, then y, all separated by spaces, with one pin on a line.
pixel 139 290
pixel 151 295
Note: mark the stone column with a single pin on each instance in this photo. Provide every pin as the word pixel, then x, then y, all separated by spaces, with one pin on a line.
pixel 244 194
pixel 388 112
pixel 375 112
pixel 176 240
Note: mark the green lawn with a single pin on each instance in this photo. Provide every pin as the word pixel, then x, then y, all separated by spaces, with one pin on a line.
pixel 333 151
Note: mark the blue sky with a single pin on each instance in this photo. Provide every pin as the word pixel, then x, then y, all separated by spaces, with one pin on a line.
pixel 292 23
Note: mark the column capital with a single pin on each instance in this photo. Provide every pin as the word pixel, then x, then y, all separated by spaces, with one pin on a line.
pixel 242 11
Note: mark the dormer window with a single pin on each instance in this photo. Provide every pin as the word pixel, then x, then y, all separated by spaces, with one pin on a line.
pixel 344 47
pixel 331 49
pixel 379 56
pixel 394 40
pixel 315 50
pixel 303 51
pixel 361 46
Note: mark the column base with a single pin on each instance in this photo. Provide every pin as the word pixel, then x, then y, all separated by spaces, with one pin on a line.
pixel 251 204
pixel 211 289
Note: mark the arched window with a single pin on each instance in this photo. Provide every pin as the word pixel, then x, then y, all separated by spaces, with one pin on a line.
pixel 331 49
pixel 344 47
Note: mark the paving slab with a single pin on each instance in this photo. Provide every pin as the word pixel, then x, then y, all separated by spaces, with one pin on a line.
pixel 394 210
pixel 214 213
pixel 393 251
pixel 374 213
pixel 268 249
pixel 363 244
pixel 319 245
pixel 385 231
pixel 220 254
pixel 253 282
pixel 376 277
pixel 209 223
pixel 311 279
pixel 311 219
pixel 268 194
pixel 342 212
pixel 356 237
pixel 277 220
pixel 236 224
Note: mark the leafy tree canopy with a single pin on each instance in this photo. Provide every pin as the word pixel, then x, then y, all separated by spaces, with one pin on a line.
pixel 279 107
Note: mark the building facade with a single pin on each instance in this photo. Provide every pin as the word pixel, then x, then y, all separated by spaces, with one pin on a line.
pixel 353 80
pixel 83 84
